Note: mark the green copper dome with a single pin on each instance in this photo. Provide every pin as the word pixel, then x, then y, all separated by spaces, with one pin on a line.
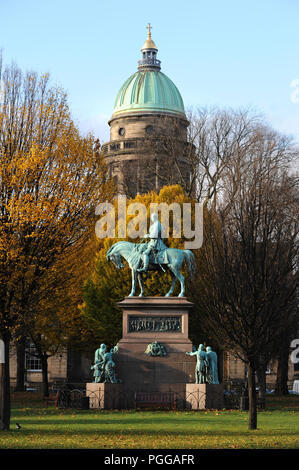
pixel 148 91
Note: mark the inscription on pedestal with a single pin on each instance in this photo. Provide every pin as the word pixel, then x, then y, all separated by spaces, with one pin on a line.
pixel 154 323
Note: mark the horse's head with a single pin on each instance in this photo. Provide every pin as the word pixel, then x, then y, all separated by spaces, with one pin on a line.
pixel 116 260
pixel 115 257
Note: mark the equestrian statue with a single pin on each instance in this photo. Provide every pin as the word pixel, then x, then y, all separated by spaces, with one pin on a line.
pixel 153 255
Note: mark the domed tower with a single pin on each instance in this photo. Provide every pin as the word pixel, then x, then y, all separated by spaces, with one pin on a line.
pixel 148 129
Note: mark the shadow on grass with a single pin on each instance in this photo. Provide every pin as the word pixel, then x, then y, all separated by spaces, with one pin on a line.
pixel 70 427
pixel 137 421
pixel 170 434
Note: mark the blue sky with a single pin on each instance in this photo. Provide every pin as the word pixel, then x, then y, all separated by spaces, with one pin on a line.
pixel 228 53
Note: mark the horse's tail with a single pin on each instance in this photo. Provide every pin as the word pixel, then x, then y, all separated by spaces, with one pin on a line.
pixel 191 265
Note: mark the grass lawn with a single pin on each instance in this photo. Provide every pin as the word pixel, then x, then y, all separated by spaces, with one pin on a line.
pixel 49 428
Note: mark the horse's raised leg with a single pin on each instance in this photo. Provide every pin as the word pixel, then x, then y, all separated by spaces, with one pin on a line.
pixel 134 275
pixel 174 279
pixel 140 281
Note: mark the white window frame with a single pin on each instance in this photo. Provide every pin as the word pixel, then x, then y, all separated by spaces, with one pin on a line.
pixel 29 357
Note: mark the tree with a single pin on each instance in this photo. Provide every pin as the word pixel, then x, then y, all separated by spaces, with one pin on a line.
pixel 282 356
pixel 20 345
pixel 51 179
pixel 55 323
pixel 196 157
pixel 248 276
pixel 218 137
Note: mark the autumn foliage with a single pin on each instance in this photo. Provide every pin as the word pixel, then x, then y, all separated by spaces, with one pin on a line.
pixel 51 179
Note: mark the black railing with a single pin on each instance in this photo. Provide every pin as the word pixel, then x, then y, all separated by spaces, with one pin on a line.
pixel 146 62
pixel 126 399
pixel 73 399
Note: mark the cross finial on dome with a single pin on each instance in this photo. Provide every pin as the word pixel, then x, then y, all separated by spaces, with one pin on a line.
pixel 149 43
pixel 149 53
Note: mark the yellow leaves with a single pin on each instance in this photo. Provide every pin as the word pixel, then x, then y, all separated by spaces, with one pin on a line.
pixel 25 165
pixel 168 195
pixel 51 179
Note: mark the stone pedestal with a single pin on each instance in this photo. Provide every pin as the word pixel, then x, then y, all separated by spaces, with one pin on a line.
pixel 105 396
pixel 148 319
pixel 108 396
pixel 205 396
pixel 145 320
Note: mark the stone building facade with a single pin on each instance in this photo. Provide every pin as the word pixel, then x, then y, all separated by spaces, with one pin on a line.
pixel 234 370
pixel 65 366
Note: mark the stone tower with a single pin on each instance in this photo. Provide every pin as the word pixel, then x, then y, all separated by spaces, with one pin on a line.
pixel 148 130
